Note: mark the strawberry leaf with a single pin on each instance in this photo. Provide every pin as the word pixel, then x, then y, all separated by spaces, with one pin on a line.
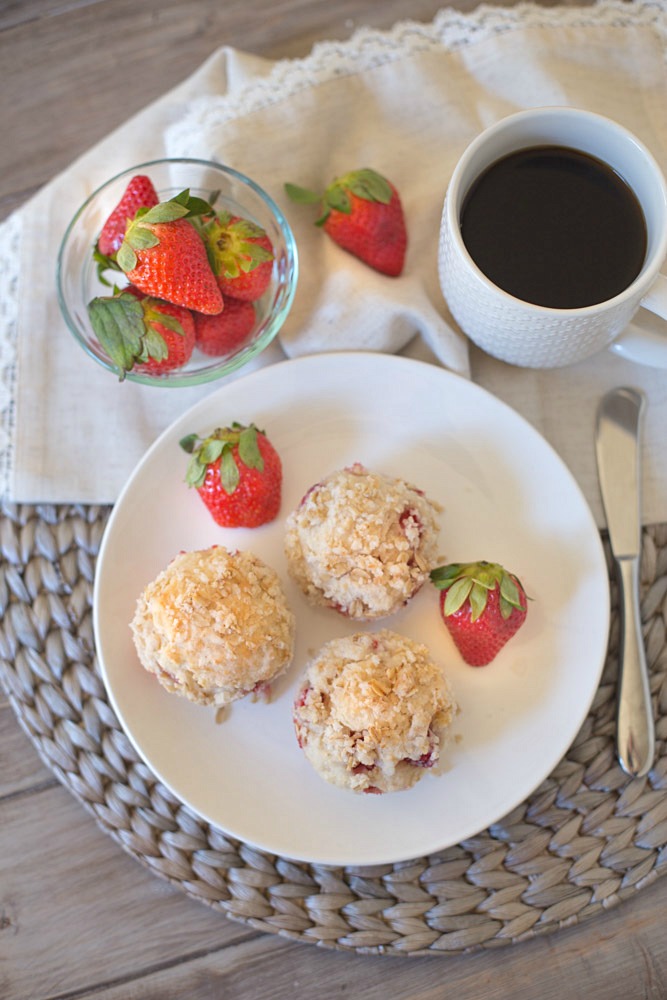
pixel 249 452
pixel 247 230
pixel 166 211
pixel 211 450
pixel 129 329
pixel 154 345
pixel 337 198
pixel 457 595
pixel 204 451
pixel 229 472
pixel 182 197
pixel 302 196
pixel 195 473
pixel 510 596
pixel 223 217
pixel 474 581
pixel 478 598
pixel 188 443
pixel 232 247
pixel 364 183
pixel 126 257
pixel 140 238
pixel 155 316
pixel 369 185
pixel 198 207
pixel 255 256
pixel 104 263
pixel 119 326
pixel 193 205
pixel 220 444
pixel 444 576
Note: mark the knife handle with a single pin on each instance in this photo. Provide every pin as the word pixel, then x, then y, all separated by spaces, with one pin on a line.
pixel 635 735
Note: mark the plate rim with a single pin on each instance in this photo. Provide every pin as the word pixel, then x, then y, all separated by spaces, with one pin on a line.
pixel 273 371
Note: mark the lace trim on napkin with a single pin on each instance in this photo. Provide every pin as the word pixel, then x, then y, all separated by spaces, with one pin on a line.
pixel 366 48
pixel 10 241
pixel 449 30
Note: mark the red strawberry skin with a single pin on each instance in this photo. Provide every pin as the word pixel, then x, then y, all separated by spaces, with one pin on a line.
pixel 242 256
pixel 177 268
pixel 227 330
pixel 179 345
pixel 482 606
pixel 479 642
pixel 256 494
pixel 363 214
pixel 250 285
pixel 255 501
pixel 373 232
pixel 139 193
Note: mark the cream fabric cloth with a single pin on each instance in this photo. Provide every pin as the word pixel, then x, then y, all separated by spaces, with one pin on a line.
pixel 406 102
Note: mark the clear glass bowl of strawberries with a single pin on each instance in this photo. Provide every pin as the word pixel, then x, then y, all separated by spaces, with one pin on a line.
pixel 176 272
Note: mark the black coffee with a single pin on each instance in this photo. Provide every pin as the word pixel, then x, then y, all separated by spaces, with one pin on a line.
pixel 555 227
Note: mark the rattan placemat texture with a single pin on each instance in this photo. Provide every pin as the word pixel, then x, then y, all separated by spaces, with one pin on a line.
pixel 587 838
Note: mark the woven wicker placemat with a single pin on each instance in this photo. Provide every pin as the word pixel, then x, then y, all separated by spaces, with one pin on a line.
pixel 587 838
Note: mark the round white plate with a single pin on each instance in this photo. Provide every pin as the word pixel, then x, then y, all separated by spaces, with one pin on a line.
pixel 506 497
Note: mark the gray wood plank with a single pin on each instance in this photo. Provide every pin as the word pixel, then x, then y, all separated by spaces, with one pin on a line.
pixel 73 72
pixel 623 958
pixel 22 769
pixel 76 910
pixel 71 77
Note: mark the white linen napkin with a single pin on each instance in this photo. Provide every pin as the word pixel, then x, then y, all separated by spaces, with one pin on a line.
pixel 406 102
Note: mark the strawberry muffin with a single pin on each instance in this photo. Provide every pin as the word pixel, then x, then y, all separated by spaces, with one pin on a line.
pixel 214 626
pixel 362 543
pixel 373 711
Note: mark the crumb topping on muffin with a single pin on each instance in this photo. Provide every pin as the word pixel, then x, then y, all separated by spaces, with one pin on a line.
pixel 372 712
pixel 361 542
pixel 214 626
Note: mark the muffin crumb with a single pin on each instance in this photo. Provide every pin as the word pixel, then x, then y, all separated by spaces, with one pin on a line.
pixel 214 626
pixel 362 543
pixel 372 712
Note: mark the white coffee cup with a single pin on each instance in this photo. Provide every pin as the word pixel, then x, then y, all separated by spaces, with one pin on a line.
pixel 535 336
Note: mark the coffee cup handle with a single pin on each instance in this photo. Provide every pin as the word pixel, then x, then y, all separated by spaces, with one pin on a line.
pixel 645 340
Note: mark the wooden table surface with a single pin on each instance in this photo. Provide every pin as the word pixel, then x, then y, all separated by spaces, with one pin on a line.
pixel 78 917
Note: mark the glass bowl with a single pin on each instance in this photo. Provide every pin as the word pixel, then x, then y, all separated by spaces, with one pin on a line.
pixel 78 281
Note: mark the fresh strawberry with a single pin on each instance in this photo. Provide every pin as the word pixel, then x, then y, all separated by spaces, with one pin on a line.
pixel 178 336
pixel 362 213
pixel 139 193
pixel 142 333
pixel 240 254
pixel 482 605
pixel 224 332
pixel 237 473
pixel 164 255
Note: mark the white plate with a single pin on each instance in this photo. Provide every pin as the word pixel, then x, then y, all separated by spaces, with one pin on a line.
pixel 507 497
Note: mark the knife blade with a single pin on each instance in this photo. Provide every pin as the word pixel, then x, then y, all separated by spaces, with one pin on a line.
pixel 618 449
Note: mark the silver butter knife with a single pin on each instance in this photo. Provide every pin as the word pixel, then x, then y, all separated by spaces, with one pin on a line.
pixel 618 442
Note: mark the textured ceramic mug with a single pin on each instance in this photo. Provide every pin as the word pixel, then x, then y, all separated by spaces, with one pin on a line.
pixel 534 336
